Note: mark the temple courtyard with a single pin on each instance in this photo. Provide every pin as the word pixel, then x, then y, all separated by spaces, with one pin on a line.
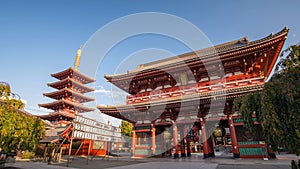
pixel 221 161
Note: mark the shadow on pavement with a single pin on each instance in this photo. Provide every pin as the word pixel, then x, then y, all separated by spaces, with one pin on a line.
pixel 81 162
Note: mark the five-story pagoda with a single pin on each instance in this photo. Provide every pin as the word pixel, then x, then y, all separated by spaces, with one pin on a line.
pixel 69 96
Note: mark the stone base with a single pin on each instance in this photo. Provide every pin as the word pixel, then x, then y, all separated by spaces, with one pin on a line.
pixel 183 155
pixel 236 155
pixel 212 154
pixel 272 155
pixel 175 155
pixel 206 156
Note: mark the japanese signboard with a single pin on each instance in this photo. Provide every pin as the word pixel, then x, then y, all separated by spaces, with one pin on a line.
pixel 85 128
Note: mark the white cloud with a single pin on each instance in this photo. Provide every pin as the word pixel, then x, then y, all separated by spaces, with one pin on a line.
pixel 100 89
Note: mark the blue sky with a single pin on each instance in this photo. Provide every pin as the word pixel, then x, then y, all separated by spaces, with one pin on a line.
pixel 42 37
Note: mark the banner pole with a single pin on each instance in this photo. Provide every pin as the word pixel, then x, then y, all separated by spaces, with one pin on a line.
pixel 70 148
pixel 100 147
pixel 87 159
pixel 77 151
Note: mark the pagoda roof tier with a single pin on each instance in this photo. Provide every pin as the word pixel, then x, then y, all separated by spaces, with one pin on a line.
pixel 232 54
pixel 66 92
pixel 57 115
pixel 69 82
pixel 126 112
pixel 73 73
pixel 61 104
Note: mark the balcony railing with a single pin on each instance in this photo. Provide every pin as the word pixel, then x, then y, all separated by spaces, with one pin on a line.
pixel 197 88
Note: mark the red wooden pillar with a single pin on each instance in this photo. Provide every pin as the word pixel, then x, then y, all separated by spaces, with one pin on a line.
pixel 153 139
pixel 188 146
pixel 204 139
pixel 183 150
pixel 211 147
pixel 133 141
pixel 175 139
pixel 162 143
pixel 236 153
pixel 271 153
pixel 208 145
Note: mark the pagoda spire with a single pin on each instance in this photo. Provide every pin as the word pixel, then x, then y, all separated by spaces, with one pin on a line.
pixel 77 59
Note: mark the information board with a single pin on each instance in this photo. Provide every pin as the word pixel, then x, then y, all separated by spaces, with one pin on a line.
pixel 85 128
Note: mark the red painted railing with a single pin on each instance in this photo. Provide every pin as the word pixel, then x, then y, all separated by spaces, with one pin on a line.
pixel 197 88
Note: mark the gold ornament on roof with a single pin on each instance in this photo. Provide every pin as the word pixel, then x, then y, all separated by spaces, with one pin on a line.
pixel 77 60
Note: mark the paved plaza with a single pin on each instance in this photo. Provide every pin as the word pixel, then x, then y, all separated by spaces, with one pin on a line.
pixel 221 161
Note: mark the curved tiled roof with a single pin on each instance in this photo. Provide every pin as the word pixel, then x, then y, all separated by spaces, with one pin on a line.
pixel 57 113
pixel 80 97
pixel 207 53
pixel 63 83
pixel 60 104
pixel 71 72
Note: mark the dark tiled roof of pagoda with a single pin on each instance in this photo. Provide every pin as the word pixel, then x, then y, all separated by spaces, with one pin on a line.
pixel 66 131
pixel 76 75
pixel 63 83
pixel 56 134
pixel 207 53
pixel 47 123
pixel 50 139
pixel 115 111
pixel 62 92
pixel 61 103
pixel 57 114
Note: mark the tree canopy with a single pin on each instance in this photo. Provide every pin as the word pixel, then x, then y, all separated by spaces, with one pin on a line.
pixel 18 131
pixel 126 128
pixel 277 107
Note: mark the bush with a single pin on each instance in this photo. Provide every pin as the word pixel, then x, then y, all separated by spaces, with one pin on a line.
pixel 28 155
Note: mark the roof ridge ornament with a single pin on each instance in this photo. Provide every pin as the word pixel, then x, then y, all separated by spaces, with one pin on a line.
pixel 77 59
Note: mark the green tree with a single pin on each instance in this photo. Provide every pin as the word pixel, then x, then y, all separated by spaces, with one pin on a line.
pixel 248 106
pixel 18 131
pixel 277 107
pixel 126 128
